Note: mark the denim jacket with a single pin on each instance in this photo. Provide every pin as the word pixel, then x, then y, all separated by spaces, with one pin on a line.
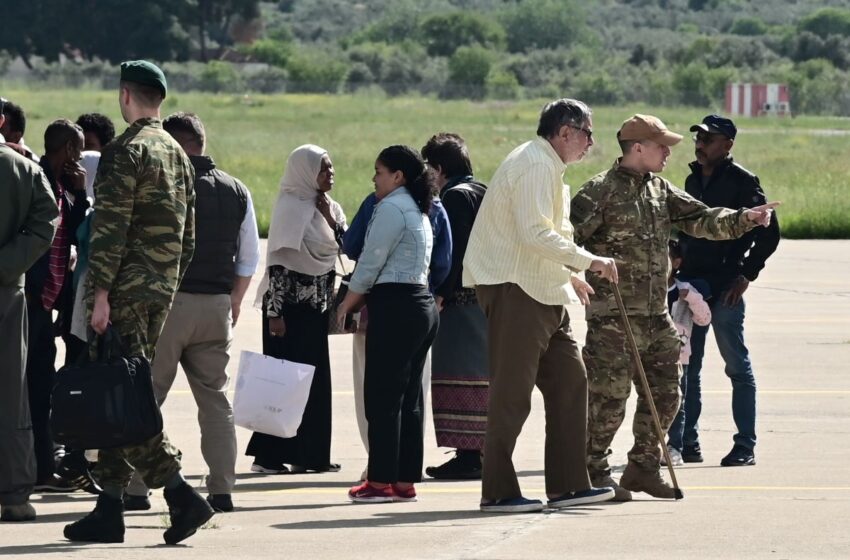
pixel 397 247
pixel 441 254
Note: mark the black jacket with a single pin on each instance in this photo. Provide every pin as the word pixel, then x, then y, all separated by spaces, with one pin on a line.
pixel 221 203
pixel 461 197
pixel 720 262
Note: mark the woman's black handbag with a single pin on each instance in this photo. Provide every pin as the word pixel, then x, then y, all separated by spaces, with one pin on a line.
pixel 106 403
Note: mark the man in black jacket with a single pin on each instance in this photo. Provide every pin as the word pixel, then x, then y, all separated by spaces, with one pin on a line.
pixel 49 288
pixel 729 267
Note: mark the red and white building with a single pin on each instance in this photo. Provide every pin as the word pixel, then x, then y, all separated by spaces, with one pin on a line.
pixel 755 100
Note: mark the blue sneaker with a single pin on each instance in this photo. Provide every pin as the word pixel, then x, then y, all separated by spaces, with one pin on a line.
pixel 582 497
pixel 511 505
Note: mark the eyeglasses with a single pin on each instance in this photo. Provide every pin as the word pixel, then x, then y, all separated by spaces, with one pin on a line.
pixel 588 132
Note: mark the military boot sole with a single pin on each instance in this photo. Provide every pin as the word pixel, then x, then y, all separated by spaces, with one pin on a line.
pixel 72 534
pixel 621 494
pixel 189 524
pixel 634 484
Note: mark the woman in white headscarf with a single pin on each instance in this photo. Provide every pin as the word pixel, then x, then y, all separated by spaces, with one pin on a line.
pixel 296 295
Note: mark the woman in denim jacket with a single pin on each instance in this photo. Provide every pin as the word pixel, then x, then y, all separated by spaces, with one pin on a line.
pixel 392 278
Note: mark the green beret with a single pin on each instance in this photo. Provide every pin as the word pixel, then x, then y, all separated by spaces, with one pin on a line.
pixel 145 73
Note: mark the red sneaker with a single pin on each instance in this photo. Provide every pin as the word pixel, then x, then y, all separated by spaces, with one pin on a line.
pixel 404 495
pixel 367 494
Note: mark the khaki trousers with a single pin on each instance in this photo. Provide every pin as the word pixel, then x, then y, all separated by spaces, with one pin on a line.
pixel 530 344
pixel 197 335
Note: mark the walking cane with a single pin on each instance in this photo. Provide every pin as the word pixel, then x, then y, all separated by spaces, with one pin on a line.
pixel 642 374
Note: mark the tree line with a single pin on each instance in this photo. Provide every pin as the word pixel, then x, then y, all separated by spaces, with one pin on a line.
pixel 605 51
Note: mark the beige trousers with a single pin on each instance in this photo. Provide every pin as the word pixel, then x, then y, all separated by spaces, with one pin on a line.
pixel 197 335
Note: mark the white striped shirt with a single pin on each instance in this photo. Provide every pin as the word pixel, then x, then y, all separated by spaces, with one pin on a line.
pixel 522 233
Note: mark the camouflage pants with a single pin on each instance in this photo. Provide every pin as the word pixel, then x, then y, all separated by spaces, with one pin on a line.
pixel 611 371
pixel 139 323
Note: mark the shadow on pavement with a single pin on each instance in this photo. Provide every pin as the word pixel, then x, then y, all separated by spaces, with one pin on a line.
pixel 68 547
pixel 412 518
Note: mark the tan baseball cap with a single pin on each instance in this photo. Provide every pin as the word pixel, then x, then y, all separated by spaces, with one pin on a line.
pixel 647 127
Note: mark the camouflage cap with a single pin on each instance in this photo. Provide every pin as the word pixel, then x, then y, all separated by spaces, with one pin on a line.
pixel 145 73
pixel 647 127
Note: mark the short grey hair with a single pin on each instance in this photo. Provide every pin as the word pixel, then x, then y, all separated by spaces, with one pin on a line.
pixel 560 113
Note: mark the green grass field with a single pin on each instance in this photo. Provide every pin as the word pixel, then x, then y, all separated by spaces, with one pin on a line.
pixel 802 161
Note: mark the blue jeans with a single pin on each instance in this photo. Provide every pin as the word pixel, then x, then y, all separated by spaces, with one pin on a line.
pixel 728 323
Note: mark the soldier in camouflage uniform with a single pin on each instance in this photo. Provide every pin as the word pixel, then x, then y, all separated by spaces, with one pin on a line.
pixel 142 239
pixel 628 212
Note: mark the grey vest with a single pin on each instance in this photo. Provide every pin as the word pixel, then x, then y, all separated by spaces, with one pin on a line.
pixel 221 203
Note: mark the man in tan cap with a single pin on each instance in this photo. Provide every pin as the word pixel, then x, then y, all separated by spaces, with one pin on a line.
pixel 628 212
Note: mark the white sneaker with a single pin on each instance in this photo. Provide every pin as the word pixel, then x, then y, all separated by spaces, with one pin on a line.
pixel 675 457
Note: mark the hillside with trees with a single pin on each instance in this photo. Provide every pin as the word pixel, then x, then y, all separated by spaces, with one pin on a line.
pixel 662 52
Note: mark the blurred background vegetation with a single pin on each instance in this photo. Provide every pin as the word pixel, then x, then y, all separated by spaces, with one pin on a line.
pixel 660 52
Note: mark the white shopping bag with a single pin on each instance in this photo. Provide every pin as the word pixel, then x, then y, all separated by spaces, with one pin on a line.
pixel 271 394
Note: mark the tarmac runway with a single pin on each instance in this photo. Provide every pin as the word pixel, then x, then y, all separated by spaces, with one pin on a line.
pixel 795 503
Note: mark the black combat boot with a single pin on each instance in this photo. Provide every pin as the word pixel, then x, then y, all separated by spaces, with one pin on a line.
pixel 188 511
pixel 105 524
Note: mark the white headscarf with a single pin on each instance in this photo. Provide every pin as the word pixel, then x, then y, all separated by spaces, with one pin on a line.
pixel 300 238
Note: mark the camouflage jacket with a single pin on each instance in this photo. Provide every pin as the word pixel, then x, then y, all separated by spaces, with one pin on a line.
pixel 142 233
pixel 621 214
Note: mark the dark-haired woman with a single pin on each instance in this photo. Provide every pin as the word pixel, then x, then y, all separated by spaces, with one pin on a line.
pixel 296 293
pixel 392 276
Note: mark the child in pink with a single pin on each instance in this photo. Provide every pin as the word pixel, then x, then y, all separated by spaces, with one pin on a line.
pixel 687 300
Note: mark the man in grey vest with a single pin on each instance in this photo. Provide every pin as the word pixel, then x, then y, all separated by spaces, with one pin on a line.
pixel 28 222
pixel 198 331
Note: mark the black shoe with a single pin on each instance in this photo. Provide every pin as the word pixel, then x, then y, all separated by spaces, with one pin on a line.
pixel 136 503
pixel 692 454
pixel 220 502
pixel 188 511
pixel 740 456
pixel 105 524
pixel 75 468
pixel 56 483
pixel 465 465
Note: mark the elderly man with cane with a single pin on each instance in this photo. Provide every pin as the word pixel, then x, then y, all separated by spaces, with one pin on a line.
pixel 628 212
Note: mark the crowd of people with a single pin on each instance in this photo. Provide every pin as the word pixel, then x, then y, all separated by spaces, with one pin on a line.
pixel 458 287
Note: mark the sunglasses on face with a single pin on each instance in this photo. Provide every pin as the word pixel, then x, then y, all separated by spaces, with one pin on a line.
pixel 588 132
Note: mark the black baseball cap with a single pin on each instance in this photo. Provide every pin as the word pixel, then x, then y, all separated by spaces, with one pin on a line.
pixel 715 124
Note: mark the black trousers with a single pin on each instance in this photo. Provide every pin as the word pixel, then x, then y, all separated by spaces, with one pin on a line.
pixel 41 375
pixel 306 342
pixel 403 322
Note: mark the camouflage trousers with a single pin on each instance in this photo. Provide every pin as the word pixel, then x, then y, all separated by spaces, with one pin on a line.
pixel 139 323
pixel 611 372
